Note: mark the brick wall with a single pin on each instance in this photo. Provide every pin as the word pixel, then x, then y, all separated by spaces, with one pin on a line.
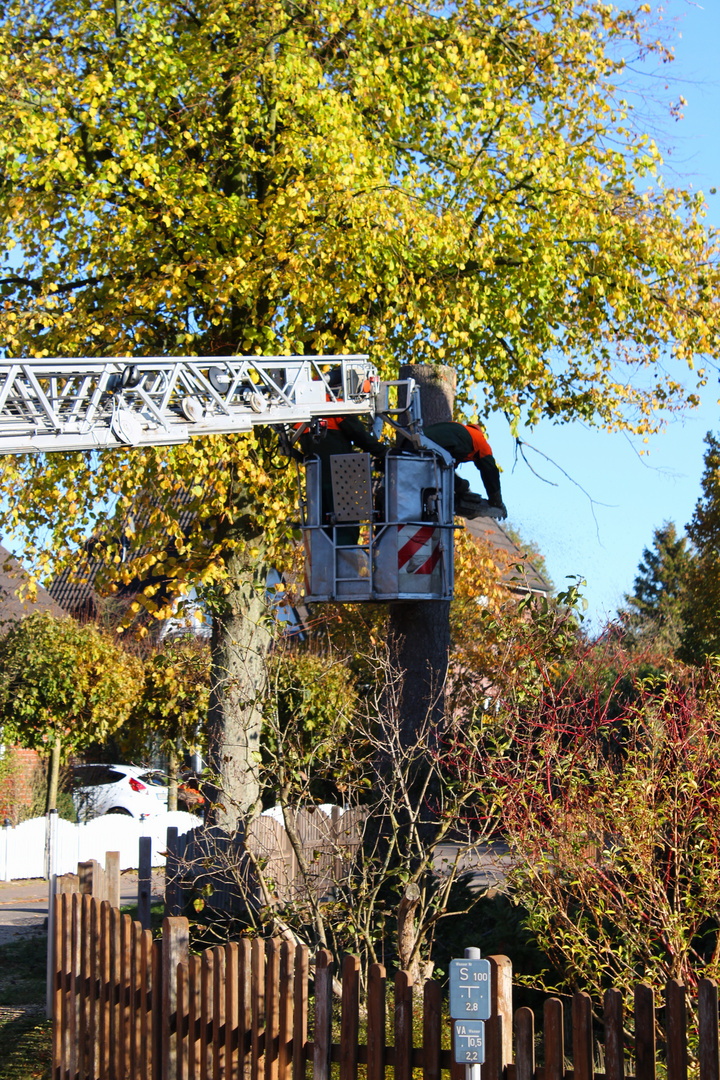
pixel 18 779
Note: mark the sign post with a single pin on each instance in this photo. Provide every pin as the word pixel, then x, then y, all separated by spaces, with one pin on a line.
pixel 470 1007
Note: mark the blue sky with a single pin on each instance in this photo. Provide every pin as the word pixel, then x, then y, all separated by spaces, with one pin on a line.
pixel 604 543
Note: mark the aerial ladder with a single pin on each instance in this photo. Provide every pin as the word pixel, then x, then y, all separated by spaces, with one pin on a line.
pixel 406 515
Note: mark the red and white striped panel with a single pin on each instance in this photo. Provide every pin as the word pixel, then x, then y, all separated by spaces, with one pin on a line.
pixel 418 549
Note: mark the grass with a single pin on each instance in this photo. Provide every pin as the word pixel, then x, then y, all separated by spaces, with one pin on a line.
pixel 23 971
pixel 25 1048
pixel 25 1036
pixel 157 914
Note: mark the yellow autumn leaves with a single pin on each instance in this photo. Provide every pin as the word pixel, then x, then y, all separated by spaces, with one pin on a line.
pixel 427 182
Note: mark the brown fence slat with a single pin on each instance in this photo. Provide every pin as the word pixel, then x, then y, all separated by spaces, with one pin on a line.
pixel 156 1009
pixel 644 1032
pixel 257 994
pixel 498 1051
pixel 376 1023
pixel 175 945
pixel 146 998
pixel 57 990
pixel 403 1026
pixel 65 956
pixel 244 1010
pixel 524 1044
pixel 708 1030
pixel 272 1007
pixel 582 1036
pixel 93 1058
pixel 350 1018
pixel 76 917
pixel 218 1010
pixel 105 996
pixel 300 1012
pixel 135 999
pixel 231 1010
pixel 553 1039
pixel 125 984
pixel 675 1030
pixel 206 1004
pixel 432 1029
pixel 322 1036
pixel 194 1017
pixel 285 1027
pixel 115 919
pixel 182 1028
pixel 84 1046
pixel 74 1009
pixel 613 1018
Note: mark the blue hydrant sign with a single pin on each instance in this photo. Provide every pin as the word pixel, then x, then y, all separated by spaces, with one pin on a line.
pixel 469 1042
pixel 470 989
pixel 469 1007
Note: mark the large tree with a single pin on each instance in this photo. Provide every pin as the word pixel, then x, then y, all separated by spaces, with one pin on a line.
pixel 439 182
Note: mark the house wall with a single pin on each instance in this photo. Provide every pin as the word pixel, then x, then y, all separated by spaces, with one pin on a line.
pixel 18 782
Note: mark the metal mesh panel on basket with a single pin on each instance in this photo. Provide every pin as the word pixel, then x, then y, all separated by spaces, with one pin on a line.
pixel 352 490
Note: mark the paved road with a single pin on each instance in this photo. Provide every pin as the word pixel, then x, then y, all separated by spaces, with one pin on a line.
pixel 24 904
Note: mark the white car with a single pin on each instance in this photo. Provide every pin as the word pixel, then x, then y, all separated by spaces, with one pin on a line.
pixel 118 789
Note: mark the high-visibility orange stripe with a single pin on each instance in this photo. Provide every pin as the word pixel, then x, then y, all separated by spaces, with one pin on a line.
pixel 480 444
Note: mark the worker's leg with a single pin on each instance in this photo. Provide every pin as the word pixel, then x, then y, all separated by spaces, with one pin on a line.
pixel 462 487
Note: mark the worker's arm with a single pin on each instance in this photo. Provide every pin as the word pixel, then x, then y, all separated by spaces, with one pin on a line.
pixel 490 474
pixel 356 431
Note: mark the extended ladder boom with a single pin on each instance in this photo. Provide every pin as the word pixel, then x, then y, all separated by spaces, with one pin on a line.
pixel 58 404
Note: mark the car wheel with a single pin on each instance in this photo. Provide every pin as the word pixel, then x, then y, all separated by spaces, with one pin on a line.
pixel 120 810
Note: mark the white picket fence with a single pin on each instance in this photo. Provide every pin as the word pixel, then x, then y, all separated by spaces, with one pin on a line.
pixel 24 850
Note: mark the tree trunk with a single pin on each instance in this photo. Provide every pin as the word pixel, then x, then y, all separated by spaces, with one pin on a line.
pixel 54 777
pixel 420 629
pixel 172 779
pixel 239 647
pixel 406 933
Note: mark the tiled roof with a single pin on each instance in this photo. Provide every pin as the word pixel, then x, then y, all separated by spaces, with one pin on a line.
pixel 12 608
pixel 492 532
pixel 74 589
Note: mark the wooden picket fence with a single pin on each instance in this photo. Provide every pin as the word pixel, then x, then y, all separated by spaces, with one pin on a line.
pixel 621 1057
pixel 126 1007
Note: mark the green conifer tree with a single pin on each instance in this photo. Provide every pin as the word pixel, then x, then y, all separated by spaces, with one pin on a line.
pixel 701 635
pixel 655 609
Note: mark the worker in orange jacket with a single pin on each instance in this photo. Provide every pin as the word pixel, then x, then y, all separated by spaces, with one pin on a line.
pixel 467 442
